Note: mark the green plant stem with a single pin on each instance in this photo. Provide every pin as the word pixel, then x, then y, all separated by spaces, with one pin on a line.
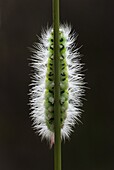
pixel 57 145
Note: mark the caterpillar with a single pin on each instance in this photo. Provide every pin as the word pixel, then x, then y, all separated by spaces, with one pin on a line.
pixel 42 83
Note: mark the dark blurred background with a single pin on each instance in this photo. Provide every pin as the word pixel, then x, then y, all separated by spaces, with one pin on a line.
pixel 92 144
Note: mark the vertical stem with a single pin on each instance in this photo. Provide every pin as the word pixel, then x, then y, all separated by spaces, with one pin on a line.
pixel 57 145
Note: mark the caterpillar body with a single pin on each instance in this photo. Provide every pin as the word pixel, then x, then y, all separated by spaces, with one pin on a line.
pixel 49 92
pixel 42 85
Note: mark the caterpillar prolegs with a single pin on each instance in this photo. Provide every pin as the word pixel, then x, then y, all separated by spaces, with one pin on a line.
pixel 42 85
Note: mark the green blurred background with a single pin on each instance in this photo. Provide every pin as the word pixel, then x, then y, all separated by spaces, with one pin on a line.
pixel 91 146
